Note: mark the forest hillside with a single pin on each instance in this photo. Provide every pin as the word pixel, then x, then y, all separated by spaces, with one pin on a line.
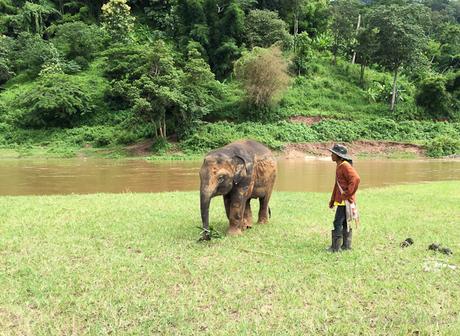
pixel 191 75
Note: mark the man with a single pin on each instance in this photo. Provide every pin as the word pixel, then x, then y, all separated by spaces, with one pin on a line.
pixel 345 187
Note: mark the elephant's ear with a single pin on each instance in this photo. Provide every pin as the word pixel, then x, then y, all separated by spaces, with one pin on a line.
pixel 243 167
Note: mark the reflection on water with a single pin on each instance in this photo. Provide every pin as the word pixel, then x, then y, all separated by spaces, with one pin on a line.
pixel 65 176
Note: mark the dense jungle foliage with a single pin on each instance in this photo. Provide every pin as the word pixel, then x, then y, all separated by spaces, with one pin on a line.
pixel 204 72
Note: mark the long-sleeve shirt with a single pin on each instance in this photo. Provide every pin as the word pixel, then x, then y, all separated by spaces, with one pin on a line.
pixel 349 180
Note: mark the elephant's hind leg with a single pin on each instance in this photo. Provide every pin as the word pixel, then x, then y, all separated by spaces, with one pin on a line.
pixel 247 215
pixel 263 209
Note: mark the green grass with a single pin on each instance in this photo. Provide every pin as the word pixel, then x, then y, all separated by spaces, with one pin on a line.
pixel 334 91
pixel 130 264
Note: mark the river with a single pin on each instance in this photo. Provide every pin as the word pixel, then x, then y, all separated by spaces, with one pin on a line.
pixel 82 176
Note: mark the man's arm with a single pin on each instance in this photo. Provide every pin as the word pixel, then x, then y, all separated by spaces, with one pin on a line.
pixel 331 202
pixel 353 182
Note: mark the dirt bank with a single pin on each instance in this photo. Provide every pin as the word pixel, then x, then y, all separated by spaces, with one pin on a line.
pixel 355 148
pixel 314 149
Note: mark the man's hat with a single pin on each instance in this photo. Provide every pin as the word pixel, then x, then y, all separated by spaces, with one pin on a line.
pixel 341 151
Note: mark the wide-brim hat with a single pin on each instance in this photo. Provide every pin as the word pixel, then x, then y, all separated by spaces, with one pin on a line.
pixel 341 151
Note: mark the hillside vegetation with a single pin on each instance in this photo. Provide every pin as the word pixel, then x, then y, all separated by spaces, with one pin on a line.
pixel 192 75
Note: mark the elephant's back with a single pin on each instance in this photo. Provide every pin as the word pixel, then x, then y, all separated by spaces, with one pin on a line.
pixel 253 147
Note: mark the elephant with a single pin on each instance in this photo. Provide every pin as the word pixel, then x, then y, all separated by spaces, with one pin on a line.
pixel 239 171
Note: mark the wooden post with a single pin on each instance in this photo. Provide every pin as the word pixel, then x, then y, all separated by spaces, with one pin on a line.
pixel 393 96
pixel 357 28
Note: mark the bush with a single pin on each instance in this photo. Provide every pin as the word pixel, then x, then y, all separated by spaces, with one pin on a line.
pixel 275 135
pixel 263 28
pixel 160 146
pixel 30 52
pixel 263 74
pixel 127 61
pixel 79 41
pixel 6 70
pixel 443 146
pixel 434 98
pixel 337 130
pixel 56 101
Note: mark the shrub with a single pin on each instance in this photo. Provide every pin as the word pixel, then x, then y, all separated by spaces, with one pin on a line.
pixel 160 146
pixel 434 98
pixel 263 74
pixel 78 41
pixel 30 52
pixel 443 146
pixel 56 100
pixel 263 28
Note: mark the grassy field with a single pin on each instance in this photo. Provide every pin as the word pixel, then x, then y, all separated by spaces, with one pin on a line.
pixel 130 264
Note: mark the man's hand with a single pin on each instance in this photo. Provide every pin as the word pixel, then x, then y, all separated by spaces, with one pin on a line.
pixel 331 204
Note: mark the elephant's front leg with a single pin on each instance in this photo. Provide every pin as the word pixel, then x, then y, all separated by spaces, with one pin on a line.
pixel 237 207
pixel 248 215
pixel 227 202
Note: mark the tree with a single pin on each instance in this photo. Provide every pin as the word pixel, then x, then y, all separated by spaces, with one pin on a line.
pixel 148 80
pixel 449 50
pixel 440 96
pixel 263 28
pixel 365 48
pixel 263 74
pixel 201 89
pixel 32 18
pixel 161 14
pixel 160 96
pixel 311 16
pixel 400 38
pixel 29 53
pixel 6 68
pixel 117 20
pixel 56 100
pixel 344 17
pixel 302 52
pixel 76 40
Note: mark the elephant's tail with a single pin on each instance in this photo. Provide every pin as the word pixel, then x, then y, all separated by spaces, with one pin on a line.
pixel 269 212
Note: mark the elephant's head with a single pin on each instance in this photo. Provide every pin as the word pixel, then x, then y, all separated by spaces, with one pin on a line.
pixel 219 174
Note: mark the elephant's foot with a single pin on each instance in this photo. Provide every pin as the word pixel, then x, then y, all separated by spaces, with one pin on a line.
pixel 247 224
pixel 262 220
pixel 234 231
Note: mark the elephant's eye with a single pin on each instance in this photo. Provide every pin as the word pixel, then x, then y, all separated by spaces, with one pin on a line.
pixel 220 179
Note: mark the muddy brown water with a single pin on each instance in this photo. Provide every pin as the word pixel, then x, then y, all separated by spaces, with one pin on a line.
pixel 83 176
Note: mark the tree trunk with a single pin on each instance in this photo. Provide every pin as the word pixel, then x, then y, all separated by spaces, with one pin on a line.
pixel 361 76
pixel 357 28
pixel 393 96
pixel 296 25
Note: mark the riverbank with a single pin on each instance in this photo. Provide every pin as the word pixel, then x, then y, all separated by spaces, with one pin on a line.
pixel 143 150
pixel 378 137
pixel 129 263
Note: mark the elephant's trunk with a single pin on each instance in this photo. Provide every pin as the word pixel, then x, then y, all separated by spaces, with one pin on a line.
pixel 205 200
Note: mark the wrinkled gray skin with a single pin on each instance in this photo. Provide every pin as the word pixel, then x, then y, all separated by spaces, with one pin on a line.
pixel 239 171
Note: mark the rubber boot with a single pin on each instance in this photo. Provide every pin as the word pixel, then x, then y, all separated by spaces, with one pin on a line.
pixel 336 242
pixel 347 237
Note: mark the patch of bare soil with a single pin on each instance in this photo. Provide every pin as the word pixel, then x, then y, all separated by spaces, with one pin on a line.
pixel 373 148
pixel 306 120
pixel 140 149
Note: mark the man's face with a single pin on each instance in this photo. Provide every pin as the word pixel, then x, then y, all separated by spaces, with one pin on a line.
pixel 334 157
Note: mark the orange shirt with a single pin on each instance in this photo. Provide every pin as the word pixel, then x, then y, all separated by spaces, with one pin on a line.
pixel 348 179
